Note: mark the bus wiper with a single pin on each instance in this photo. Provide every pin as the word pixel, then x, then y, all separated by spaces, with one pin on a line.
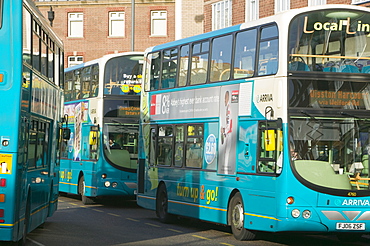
pixel 308 115
pixel 349 115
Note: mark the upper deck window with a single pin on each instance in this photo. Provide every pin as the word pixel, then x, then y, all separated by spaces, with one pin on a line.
pixel 330 41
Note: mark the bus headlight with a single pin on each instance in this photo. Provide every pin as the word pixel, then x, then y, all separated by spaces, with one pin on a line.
pixel 114 184
pixel 5 142
pixel 104 176
pixel 306 214
pixel 107 184
pixel 296 213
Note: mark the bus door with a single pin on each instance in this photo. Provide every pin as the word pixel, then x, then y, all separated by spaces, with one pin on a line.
pixel 267 168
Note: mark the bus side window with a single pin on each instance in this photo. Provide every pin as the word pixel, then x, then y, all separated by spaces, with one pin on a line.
pixel 165 139
pixel 268 51
pixel 184 65
pixel 153 147
pixel 169 68
pixel 199 63
pixel 94 142
pixel 245 54
pixel 179 146
pixel 221 58
pixel 155 70
pixel 194 146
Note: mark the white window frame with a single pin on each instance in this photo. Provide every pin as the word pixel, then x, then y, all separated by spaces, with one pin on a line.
pixel 158 23
pixel 316 2
pixel 252 9
pixel 117 24
pixel 75 60
pixel 75 24
pixel 281 5
pixel 359 1
pixel 221 14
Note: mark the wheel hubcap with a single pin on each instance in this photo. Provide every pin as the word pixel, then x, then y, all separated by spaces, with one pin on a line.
pixel 238 216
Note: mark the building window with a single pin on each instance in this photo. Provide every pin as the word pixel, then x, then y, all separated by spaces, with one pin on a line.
pixel 75 25
pixel 75 60
pixel 158 23
pixel 281 5
pixel 252 10
pixel 316 2
pixel 117 24
pixel 221 14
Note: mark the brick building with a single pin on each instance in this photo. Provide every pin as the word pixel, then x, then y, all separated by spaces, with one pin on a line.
pixel 222 13
pixel 93 28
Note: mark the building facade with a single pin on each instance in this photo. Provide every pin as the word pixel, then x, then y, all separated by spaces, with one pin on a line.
pixel 222 13
pixel 93 28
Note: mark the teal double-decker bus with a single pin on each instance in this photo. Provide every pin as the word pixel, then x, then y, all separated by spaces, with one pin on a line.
pixel 102 105
pixel 263 126
pixel 31 77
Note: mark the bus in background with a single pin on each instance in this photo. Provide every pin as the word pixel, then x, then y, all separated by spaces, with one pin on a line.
pixel 31 74
pixel 263 126
pixel 102 104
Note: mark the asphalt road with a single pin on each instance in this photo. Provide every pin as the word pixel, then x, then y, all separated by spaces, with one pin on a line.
pixel 114 223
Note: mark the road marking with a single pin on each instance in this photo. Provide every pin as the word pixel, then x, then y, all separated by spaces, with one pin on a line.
pixel 175 230
pixel 114 215
pixel 152 225
pixel 75 204
pixel 132 219
pixel 201 237
pixel 35 242
pixel 227 244
pixel 98 210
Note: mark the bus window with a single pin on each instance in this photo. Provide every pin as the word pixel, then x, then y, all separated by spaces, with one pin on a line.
pixel 169 68
pixel 155 70
pixel 36 46
pixel 221 58
pixel 184 65
pixel 268 51
pixel 95 80
pixel 86 82
pixel 199 63
pixel 153 147
pixel 77 84
pixel 194 146
pixel 245 54
pixel 165 138
pixel 179 146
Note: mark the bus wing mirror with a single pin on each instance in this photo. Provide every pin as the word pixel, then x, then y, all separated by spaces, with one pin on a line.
pixel 66 133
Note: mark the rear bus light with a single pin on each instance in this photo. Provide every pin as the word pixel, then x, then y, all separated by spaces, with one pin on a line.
pixel 2 197
pixel 2 182
pixel 2 215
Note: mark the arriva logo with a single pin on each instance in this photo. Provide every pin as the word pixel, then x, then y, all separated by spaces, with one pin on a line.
pixel 353 202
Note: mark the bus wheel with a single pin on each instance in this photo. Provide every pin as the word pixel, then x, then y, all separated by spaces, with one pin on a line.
pixel 81 190
pixel 236 218
pixel 162 205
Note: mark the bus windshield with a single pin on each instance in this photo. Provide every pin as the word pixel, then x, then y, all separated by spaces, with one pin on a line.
pixel 330 132
pixel 123 75
pixel 121 131
pixel 330 41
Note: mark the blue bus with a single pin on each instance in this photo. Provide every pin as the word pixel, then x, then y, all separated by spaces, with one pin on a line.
pixel 263 126
pixel 102 104
pixel 31 77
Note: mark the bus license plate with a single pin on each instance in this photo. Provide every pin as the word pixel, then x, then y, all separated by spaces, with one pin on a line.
pixel 351 226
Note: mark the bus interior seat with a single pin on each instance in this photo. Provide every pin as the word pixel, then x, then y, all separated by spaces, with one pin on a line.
pixel 298 66
pixel 322 173
pixel 272 66
pixel 330 66
pixel 348 66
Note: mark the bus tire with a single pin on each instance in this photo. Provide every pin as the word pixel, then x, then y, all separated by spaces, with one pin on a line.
pixel 81 190
pixel 236 219
pixel 162 205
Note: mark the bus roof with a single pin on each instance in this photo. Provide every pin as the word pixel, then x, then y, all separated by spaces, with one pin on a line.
pixel 104 58
pixel 282 17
